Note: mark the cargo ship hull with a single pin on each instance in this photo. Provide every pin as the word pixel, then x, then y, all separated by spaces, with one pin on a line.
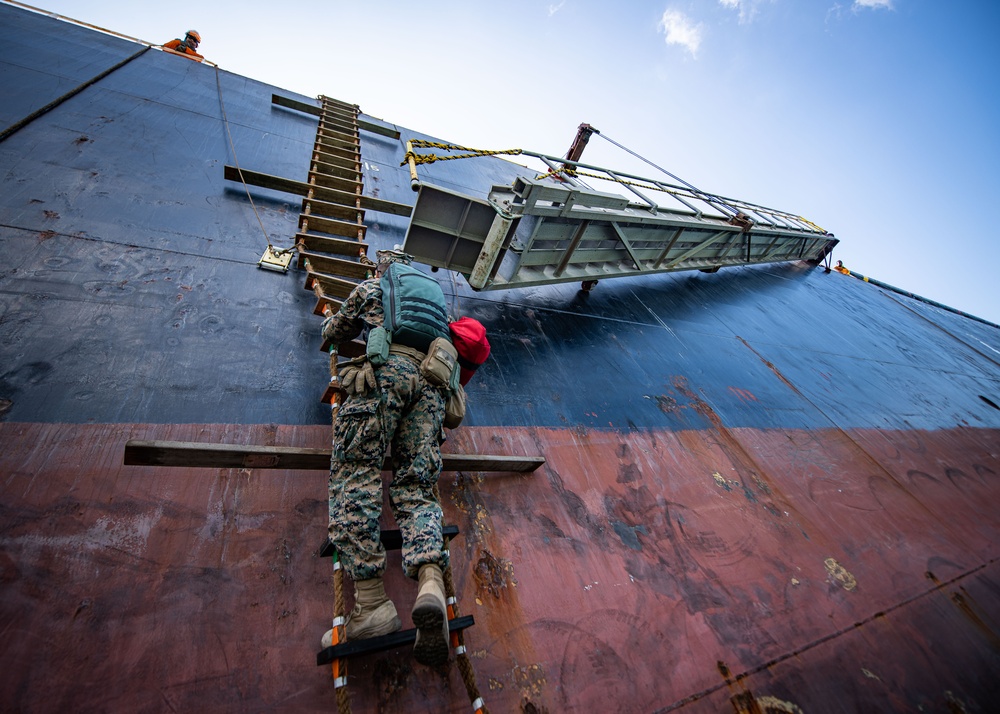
pixel 766 489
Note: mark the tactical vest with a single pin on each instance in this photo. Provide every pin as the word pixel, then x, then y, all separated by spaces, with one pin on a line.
pixel 415 311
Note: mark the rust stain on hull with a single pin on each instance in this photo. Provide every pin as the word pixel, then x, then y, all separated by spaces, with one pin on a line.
pixel 616 577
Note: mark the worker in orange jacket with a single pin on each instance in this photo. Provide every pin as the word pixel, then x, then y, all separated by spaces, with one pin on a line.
pixel 187 46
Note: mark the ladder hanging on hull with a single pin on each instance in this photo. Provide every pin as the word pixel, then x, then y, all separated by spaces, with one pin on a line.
pixel 537 232
pixel 332 249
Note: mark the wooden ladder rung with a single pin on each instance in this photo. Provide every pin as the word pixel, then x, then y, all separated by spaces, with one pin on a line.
pixel 316 263
pixel 384 642
pixel 322 303
pixel 340 211
pixel 334 182
pixel 348 126
pixel 351 154
pixel 331 135
pixel 352 349
pixel 326 144
pixel 325 170
pixel 337 165
pixel 332 226
pixel 329 284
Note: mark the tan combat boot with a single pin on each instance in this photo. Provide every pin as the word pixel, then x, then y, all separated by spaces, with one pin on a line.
pixel 373 613
pixel 430 617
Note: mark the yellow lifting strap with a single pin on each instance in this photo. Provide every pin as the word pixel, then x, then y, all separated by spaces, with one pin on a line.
pixel 431 158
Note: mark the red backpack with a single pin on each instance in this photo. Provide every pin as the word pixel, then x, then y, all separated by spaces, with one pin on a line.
pixel 469 337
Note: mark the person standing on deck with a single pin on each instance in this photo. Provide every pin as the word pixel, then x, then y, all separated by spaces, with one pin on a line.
pixel 187 47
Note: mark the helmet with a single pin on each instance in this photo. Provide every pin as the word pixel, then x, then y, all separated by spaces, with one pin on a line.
pixel 384 257
pixel 194 34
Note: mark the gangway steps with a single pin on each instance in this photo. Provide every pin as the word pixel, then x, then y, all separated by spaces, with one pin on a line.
pixel 549 234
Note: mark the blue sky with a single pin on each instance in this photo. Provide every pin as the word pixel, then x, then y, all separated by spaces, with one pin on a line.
pixel 877 119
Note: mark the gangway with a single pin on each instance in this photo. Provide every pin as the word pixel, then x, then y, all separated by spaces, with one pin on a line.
pixel 540 231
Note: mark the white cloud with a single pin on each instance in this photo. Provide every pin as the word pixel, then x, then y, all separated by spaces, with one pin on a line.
pixel 874 4
pixel 679 30
pixel 748 8
pixel 553 9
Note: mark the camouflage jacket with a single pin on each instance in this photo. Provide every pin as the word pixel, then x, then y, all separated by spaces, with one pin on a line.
pixel 361 309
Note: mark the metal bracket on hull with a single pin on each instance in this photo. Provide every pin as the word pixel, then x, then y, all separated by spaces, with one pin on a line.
pixel 274 260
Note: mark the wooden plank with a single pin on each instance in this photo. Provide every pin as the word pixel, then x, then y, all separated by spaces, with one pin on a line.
pixel 334 106
pixel 301 188
pixel 334 135
pixel 326 244
pixel 353 155
pixel 334 227
pixel 336 167
pixel 378 128
pixel 324 302
pixel 350 350
pixel 400 638
pixel 333 210
pixel 324 170
pixel 331 285
pixel 344 114
pixel 290 103
pixel 336 125
pixel 342 141
pixel 338 104
pixel 190 454
pixel 323 144
pixel 369 203
pixel 341 184
pixel 315 263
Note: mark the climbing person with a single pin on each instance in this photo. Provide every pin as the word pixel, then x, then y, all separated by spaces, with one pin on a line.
pixel 187 47
pixel 839 267
pixel 391 401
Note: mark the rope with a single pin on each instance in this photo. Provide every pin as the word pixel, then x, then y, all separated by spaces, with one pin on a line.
pixel 642 158
pixel 681 194
pixel 236 161
pixel 457 637
pixel 339 668
pixel 689 191
pixel 431 158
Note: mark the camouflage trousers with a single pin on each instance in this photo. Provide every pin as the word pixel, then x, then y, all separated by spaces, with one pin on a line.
pixel 403 411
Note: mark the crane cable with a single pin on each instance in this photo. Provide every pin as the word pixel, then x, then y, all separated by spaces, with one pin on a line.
pixel 685 191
